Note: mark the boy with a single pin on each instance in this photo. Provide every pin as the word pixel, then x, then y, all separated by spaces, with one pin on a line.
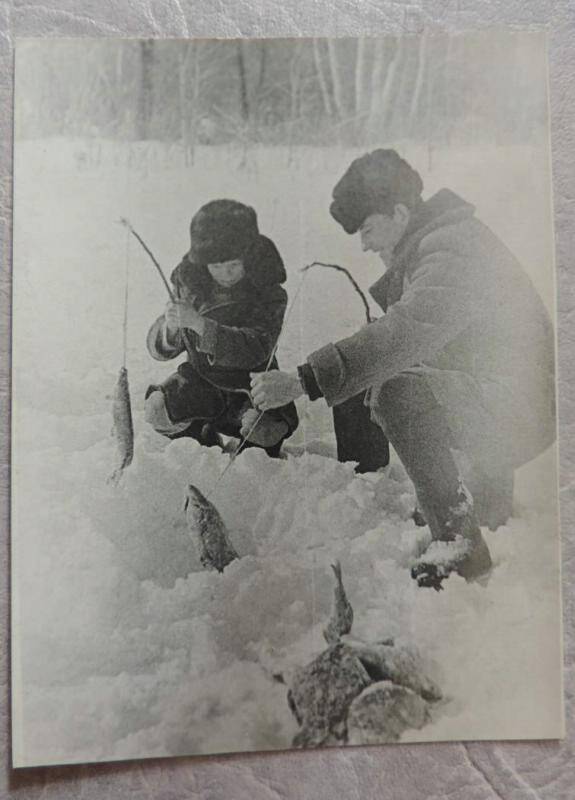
pixel 228 315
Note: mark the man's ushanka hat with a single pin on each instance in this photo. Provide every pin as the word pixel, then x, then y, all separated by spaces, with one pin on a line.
pixel 374 183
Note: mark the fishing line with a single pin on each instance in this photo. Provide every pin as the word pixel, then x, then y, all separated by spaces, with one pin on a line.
pixel 304 271
pixel 369 319
pixel 312 528
pixel 127 224
pixel 123 429
pixel 125 323
pixel 244 440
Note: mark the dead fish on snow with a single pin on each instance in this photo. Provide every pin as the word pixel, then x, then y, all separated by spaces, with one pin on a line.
pixel 341 618
pixel 320 695
pixel 123 430
pixel 208 529
pixel 371 692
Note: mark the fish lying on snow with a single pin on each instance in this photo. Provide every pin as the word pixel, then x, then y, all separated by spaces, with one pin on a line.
pixel 341 618
pixel 209 531
pixel 358 692
pixel 123 429
pixel 321 693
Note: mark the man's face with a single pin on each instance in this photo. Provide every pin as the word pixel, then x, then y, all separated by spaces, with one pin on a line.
pixel 380 232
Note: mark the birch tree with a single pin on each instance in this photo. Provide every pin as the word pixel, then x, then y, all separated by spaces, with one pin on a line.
pixel 145 99
pixel 335 78
pixel 321 78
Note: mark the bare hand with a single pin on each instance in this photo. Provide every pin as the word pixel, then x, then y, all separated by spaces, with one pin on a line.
pixel 180 315
pixel 274 388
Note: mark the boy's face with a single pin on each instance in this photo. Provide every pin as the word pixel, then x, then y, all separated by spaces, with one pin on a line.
pixel 227 273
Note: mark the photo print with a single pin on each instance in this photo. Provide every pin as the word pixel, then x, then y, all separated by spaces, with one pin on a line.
pixel 284 465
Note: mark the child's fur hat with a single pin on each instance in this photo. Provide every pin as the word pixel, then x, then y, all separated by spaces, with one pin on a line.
pixel 222 230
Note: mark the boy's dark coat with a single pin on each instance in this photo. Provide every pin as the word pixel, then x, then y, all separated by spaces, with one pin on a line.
pixel 242 324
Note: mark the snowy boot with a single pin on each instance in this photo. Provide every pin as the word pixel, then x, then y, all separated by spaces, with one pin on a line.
pixel 468 558
pixel 462 548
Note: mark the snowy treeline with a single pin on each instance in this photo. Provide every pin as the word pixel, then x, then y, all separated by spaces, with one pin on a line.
pixel 304 91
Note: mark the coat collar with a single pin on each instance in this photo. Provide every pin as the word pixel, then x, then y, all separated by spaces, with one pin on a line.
pixel 442 209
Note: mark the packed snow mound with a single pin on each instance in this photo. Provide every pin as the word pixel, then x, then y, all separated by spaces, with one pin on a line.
pixel 123 646
pixel 129 648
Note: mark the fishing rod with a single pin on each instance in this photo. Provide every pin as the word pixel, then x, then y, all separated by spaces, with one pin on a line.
pixel 288 312
pixel 256 422
pixel 351 278
pixel 189 347
pixel 304 271
pixel 126 223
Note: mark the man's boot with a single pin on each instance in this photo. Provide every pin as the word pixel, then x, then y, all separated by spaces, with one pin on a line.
pixel 462 548
pixel 417 427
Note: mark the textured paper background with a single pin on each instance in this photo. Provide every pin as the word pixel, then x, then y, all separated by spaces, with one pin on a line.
pixel 409 772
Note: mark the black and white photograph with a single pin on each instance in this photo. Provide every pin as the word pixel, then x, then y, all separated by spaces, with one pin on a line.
pixel 284 458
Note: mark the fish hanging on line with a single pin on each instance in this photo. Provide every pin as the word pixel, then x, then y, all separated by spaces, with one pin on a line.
pixel 123 430
pixel 208 530
pixel 341 618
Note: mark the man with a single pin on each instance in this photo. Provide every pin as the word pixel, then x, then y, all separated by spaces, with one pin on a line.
pixel 462 360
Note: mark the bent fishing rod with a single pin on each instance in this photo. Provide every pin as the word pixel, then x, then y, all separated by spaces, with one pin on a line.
pixel 126 223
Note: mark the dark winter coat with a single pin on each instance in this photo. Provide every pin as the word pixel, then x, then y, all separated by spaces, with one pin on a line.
pixel 242 323
pixel 461 312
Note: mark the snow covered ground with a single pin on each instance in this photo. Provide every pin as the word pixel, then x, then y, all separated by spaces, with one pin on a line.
pixel 122 645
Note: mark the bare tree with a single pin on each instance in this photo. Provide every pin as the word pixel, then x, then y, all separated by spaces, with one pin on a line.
pixel 419 81
pixel 335 78
pixel 261 81
pixel 183 94
pixel 376 78
pixel 359 74
pixel 144 114
pixel 387 89
pixel 396 117
pixel 242 73
pixel 295 74
pixel 327 104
